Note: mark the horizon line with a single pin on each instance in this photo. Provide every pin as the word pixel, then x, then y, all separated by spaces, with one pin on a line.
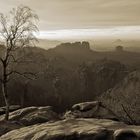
pixel 97 32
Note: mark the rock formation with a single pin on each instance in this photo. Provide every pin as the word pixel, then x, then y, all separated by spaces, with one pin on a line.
pixel 75 129
pixel 93 109
pixel 124 98
pixel 32 115
pixel 11 108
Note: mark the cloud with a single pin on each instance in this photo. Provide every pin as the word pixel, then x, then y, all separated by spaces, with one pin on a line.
pixel 69 14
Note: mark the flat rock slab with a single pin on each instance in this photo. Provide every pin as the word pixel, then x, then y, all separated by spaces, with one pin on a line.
pixel 73 129
pixel 32 115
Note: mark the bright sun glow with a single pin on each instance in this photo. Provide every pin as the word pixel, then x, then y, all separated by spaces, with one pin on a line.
pixel 119 31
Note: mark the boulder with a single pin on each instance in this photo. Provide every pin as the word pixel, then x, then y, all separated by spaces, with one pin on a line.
pixel 94 109
pixel 32 115
pixel 125 134
pixel 85 106
pixel 71 129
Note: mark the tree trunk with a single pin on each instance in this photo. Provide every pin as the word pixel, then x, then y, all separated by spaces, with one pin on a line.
pixel 4 92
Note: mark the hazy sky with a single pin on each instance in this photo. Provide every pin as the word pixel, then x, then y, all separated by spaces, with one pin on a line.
pixel 67 18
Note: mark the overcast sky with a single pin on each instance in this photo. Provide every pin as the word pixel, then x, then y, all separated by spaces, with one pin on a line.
pixel 60 16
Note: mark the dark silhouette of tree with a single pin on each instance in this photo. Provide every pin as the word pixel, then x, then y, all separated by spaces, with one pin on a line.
pixel 17 31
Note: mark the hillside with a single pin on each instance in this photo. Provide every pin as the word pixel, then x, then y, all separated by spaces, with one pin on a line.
pixel 76 53
pixel 124 98
pixel 68 74
pixel 79 52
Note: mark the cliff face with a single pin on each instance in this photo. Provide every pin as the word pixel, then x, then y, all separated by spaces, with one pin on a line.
pixel 76 129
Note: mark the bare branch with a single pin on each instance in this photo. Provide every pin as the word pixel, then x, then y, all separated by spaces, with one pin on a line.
pixel 27 75
pixel 102 105
pixel 17 31
pixel 3 22
pixel 128 115
pixel 11 56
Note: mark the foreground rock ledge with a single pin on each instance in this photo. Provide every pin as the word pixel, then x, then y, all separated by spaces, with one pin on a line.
pixel 32 115
pixel 74 129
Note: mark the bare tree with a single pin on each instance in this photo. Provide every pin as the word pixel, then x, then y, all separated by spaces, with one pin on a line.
pixel 17 31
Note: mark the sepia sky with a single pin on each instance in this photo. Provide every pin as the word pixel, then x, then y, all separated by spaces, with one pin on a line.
pixel 83 18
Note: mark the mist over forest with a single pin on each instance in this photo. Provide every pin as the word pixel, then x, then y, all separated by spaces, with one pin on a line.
pixel 68 74
pixel 96 44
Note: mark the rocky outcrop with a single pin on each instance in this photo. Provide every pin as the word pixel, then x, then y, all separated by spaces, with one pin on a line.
pixel 124 98
pixel 124 134
pixel 94 109
pixel 11 108
pixel 32 115
pixel 37 123
pixel 75 129
pixel 9 126
pixel 83 44
pixel 85 106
